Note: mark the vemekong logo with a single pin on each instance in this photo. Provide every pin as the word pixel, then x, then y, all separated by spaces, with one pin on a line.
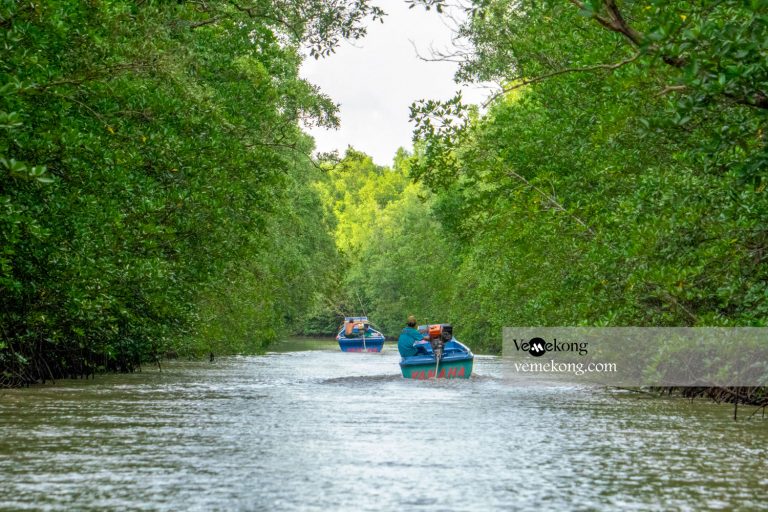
pixel 537 347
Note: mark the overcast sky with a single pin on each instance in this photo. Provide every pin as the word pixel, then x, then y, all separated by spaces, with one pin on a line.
pixel 377 79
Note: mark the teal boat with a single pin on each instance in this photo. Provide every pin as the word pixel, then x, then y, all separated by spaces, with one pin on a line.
pixel 455 358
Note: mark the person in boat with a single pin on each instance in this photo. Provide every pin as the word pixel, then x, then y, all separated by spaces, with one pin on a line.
pixel 349 329
pixel 409 338
pixel 353 329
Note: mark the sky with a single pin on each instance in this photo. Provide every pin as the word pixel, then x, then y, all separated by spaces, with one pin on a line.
pixel 376 79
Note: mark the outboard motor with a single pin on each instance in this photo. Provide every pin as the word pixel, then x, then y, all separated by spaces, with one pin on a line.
pixel 439 334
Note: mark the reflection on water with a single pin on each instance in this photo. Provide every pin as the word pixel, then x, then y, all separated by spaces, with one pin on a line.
pixel 308 427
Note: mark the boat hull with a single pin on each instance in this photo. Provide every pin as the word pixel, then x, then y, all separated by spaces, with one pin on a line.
pixel 456 369
pixel 372 344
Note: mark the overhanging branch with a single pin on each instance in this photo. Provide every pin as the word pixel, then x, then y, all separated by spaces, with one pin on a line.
pixel 585 69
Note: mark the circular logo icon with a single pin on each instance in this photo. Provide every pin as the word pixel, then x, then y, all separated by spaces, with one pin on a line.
pixel 537 347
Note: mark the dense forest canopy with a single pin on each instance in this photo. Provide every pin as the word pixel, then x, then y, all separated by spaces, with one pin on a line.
pixel 153 196
pixel 617 178
pixel 157 193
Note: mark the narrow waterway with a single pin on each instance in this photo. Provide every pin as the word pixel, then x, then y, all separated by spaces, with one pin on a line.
pixel 311 428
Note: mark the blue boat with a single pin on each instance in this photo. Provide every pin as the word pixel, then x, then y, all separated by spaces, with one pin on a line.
pixel 455 358
pixel 357 335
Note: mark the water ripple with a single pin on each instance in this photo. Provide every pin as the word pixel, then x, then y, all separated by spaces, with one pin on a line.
pixel 323 430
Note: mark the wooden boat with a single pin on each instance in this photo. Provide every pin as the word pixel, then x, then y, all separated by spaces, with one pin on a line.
pixel 357 335
pixel 455 358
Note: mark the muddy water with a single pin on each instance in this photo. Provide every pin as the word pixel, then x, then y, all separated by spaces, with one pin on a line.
pixel 310 428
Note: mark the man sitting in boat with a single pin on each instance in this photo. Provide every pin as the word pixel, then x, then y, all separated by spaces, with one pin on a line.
pixel 355 329
pixel 409 338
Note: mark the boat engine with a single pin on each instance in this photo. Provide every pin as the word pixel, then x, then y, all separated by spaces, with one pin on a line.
pixel 439 334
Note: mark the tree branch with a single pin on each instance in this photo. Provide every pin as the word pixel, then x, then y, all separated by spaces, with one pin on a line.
pixel 614 22
pixel 618 24
pixel 551 200
pixel 91 76
pixel 671 88
pixel 203 23
pixel 541 78
pixel 254 13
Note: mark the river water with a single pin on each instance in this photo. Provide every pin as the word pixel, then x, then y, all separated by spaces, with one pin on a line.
pixel 311 428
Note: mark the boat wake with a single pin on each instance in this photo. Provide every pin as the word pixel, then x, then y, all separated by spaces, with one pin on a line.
pixel 363 379
pixel 378 379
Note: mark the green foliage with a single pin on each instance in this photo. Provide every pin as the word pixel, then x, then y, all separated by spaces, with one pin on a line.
pixel 395 259
pixel 153 177
pixel 618 178
pixel 156 195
